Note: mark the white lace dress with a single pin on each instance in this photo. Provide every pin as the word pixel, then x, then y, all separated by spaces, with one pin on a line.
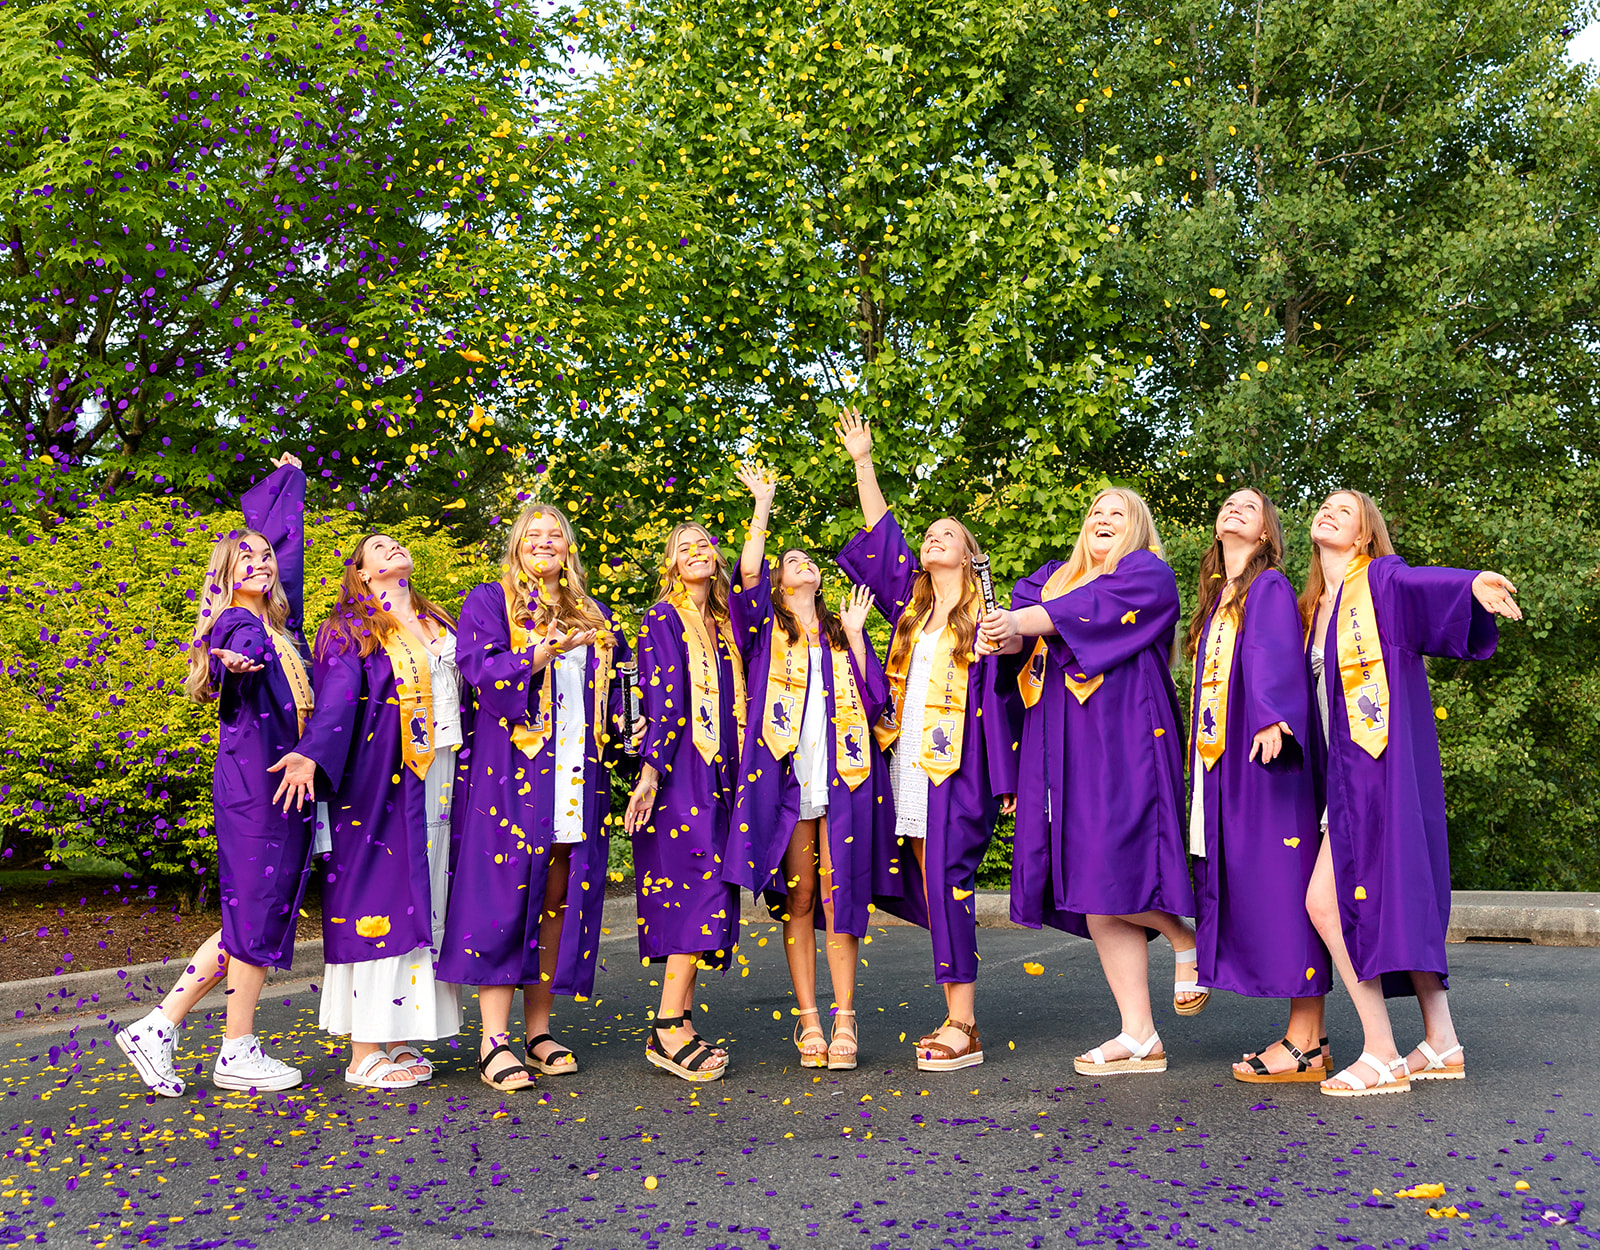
pixel 906 773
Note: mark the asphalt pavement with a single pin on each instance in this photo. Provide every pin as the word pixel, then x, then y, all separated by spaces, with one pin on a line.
pixel 1020 1152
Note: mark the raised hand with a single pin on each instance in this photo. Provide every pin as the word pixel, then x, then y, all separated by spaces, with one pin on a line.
pixel 298 781
pixel 1494 591
pixel 233 661
pixel 279 461
pixel 853 609
pixel 759 482
pixel 854 434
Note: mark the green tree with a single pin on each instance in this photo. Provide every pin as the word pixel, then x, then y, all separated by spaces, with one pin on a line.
pixel 1366 255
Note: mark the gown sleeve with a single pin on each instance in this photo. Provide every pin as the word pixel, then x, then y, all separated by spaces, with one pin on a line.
pixel 621 653
pixel 241 631
pixel 1115 617
pixel 750 610
pixel 1270 661
pixel 337 675
pixel 1026 593
pixel 879 559
pixel 503 679
pixel 275 507
pixel 1431 611
pixel 1001 725
pixel 663 682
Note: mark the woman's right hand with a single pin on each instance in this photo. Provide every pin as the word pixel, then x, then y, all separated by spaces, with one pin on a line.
pixel 996 631
pixel 758 480
pixel 641 802
pixel 233 661
pixel 854 434
pixel 853 610
pixel 279 461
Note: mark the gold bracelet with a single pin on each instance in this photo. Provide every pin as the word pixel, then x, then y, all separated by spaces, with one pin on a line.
pixel 752 531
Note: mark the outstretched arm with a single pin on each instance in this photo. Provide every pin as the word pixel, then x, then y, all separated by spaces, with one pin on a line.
pixel 762 487
pixel 857 439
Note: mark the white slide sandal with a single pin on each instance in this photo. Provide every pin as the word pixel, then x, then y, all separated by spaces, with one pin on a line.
pixel 1437 1069
pixel 372 1070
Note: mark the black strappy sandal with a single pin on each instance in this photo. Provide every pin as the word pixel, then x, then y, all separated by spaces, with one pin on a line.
pixel 558 1063
pixel 498 1080
pixel 690 1060
pixel 1303 1071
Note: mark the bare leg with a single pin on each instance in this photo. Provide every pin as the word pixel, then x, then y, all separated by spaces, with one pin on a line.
pixel 1439 1029
pixel 1181 936
pixel 1307 1023
pixel 244 989
pixel 538 1000
pixel 843 949
pixel 1120 943
pixel 1322 904
pixel 494 1005
pixel 800 933
pixel 677 999
pixel 204 973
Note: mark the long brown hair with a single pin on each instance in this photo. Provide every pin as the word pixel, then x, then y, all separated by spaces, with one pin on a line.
pixel 360 620
pixel 1374 541
pixel 963 618
pixel 216 595
pixel 828 622
pixel 671 589
pixel 572 605
pixel 1214 573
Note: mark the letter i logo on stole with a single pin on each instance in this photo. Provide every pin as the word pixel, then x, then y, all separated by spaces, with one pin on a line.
pixel 419 730
pixel 943 738
pixel 1367 704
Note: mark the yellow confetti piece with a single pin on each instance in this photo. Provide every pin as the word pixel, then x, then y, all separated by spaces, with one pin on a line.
pixel 1291 842
pixel 1033 969
pixel 1361 892
pixel 650 1182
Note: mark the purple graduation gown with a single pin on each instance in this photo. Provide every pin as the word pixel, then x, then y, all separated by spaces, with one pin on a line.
pixel 1386 815
pixel 685 905
pixel 961 810
pixel 1254 933
pixel 768 801
pixel 378 866
pixel 1100 796
pixel 263 855
pixel 500 860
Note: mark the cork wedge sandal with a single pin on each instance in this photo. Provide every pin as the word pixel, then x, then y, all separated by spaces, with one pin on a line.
pixel 842 1049
pixel 1356 1086
pixel 937 1057
pixel 1192 986
pixel 1437 1069
pixel 1302 1072
pixel 810 1041
pixel 690 1060
pixel 1139 1058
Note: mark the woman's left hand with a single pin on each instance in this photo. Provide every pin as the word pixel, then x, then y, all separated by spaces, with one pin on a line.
pixel 298 782
pixel 995 631
pixel 279 461
pixel 1494 591
pixel 1269 742
pixel 1008 805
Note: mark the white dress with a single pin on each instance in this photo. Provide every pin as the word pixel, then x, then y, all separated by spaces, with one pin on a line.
pixel 397 999
pixel 906 773
pixel 1318 660
pixel 572 735
pixel 1197 769
pixel 811 757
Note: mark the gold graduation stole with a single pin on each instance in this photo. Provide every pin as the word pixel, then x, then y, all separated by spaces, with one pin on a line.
pixel 1030 682
pixel 704 675
pixel 944 720
pixel 530 740
pixel 1211 691
pixel 414 682
pixel 295 670
pixel 1361 671
pixel 850 723
pixel 785 702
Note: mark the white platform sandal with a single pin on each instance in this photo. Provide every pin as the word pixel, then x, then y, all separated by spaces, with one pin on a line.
pixel 1386 1083
pixel 1140 1059
pixel 372 1070
pixel 1437 1069
pixel 1195 1005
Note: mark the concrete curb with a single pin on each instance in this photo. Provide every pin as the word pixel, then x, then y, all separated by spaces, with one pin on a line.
pixel 1543 919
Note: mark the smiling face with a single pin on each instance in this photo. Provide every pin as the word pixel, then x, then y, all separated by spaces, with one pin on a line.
pixel 1107 522
pixel 255 567
pixel 544 547
pixel 694 557
pixel 944 546
pixel 798 575
pixel 383 559
pixel 1337 525
pixel 1242 517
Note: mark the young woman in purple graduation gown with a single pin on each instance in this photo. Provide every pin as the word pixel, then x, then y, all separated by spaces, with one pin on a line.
pixel 1380 893
pixel 691 677
pixel 811 777
pixel 954 765
pixel 1099 847
pixel 529 875
pixel 382 751
pixel 247 654
pixel 1253 806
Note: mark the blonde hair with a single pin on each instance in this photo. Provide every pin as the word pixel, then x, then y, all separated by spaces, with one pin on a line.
pixel 963 618
pixel 360 620
pixel 216 596
pixel 1140 534
pixel 671 589
pixel 572 605
pixel 1373 541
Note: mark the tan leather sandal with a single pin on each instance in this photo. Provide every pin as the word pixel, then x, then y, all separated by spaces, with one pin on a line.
pixel 842 1049
pixel 813 1054
pixel 937 1057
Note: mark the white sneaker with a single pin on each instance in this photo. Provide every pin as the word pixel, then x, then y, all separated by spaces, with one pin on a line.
pixel 242 1064
pixel 152 1045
